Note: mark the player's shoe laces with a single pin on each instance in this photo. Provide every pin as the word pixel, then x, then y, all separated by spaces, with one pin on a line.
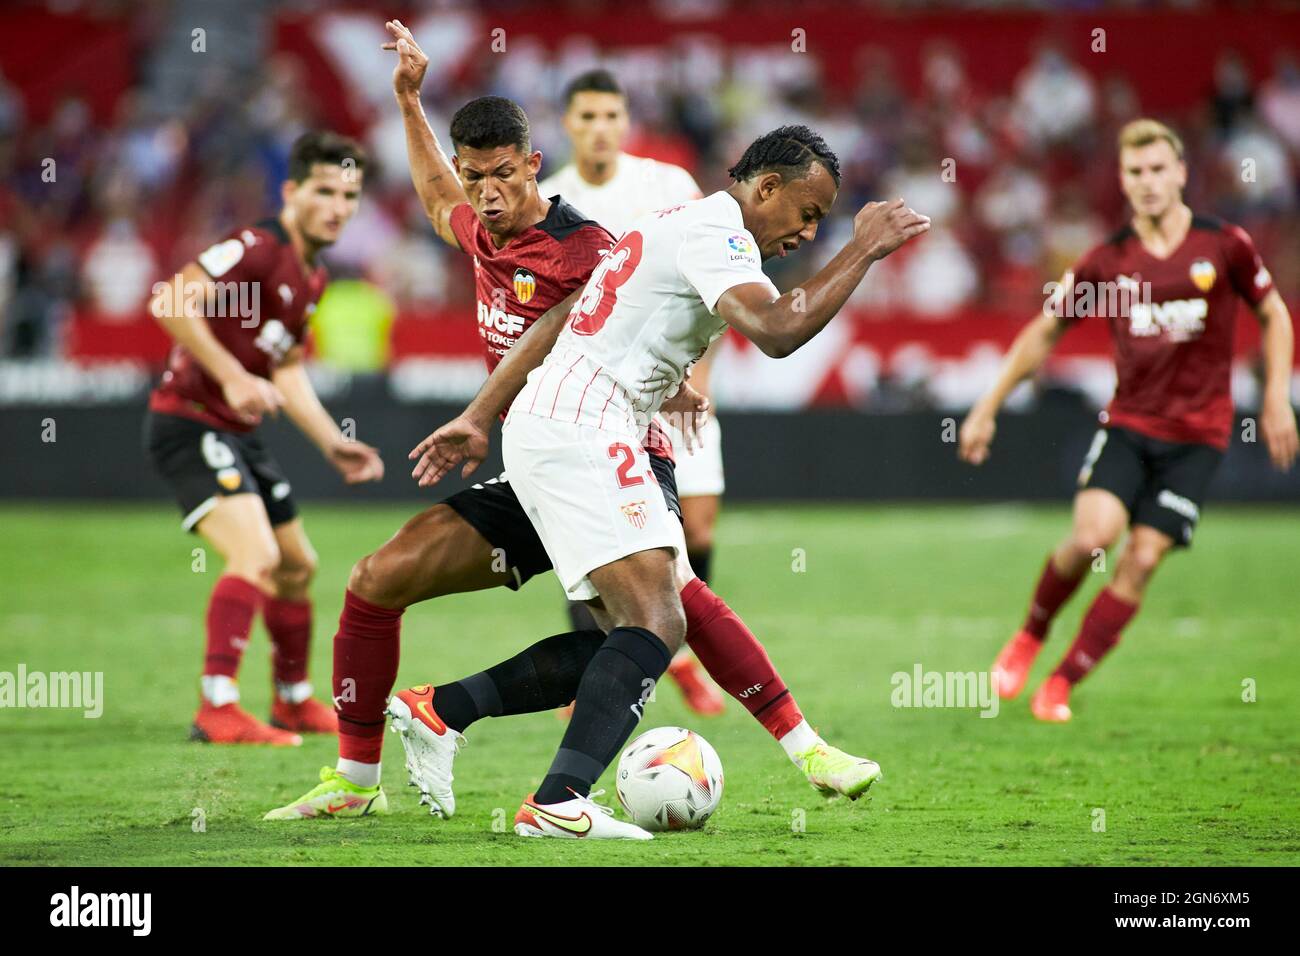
pixel 832 771
pixel 701 696
pixel 1052 701
pixel 1011 669
pixel 334 796
pixel 308 717
pixel 580 818
pixel 231 724
pixel 431 747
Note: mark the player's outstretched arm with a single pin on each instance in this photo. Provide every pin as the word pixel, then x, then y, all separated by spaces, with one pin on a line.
pixel 1277 417
pixel 249 395
pixel 780 326
pixel 355 461
pixel 435 180
pixel 465 438
pixel 1026 356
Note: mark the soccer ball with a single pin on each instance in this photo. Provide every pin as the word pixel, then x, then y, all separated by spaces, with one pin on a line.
pixel 669 778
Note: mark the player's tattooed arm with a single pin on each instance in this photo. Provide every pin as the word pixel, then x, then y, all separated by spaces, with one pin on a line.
pixel 354 460
pixel 251 396
pixel 435 179
pixel 1025 357
pixel 465 438
pixel 782 325
pixel 1277 417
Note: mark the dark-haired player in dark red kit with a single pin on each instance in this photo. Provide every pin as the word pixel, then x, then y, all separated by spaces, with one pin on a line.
pixel 532 257
pixel 1170 284
pixel 238 315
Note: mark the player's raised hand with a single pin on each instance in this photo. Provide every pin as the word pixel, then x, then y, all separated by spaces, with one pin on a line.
pixel 1277 422
pixel 688 412
pixel 251 397
pixel 356 462
pixel 975 436
pixel 884 226
pixel 411 62
pixel 460 440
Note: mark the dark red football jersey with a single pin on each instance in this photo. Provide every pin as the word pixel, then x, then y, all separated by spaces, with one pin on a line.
pixel 1172 326
pixel 517 284
pixel 537 270
pixel 261 311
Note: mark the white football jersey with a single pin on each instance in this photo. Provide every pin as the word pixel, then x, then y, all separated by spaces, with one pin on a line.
pixel 639 186
pixel 648 311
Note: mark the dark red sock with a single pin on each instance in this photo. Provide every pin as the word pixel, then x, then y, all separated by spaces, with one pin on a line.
pixel 1052 592
pixel 366 650
pixel 1098 633
pixel 231 610
pixel 735 659
pixel 289 624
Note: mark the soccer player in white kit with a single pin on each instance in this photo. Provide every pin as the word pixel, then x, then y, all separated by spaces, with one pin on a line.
pixel 614 188
pixel 572 442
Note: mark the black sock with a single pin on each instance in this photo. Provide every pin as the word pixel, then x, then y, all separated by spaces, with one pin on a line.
pixel 581 618
pixel 610 698
pixel 700 561
pixel 541 677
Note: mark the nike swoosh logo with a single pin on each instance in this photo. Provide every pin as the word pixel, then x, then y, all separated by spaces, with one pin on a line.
pixel 335 808
pixel 579 825
pixel 439 727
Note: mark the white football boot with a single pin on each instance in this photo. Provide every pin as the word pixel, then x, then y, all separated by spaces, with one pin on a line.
pixel 580 818
pixel 431 747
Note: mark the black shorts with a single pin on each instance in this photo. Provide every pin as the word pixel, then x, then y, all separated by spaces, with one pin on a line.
pixel 203 464
pixel 1161 483
pixel 493 511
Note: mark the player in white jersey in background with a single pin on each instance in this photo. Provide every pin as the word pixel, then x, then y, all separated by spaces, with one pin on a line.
pixel 615 188
pixel 572 442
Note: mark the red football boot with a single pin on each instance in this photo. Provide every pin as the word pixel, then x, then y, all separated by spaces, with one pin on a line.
pixel 1011 669
pixel 231 724
pixel 1052 701
pixel 701 696
pixel 308 717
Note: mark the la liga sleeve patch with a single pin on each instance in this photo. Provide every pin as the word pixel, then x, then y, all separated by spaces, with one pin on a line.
pixel 220 258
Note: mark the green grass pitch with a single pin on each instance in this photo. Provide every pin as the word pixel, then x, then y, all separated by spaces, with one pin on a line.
pixel 1164 763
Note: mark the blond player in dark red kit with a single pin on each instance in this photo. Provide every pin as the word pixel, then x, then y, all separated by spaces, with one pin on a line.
pixel 1169 284
pixel 238 315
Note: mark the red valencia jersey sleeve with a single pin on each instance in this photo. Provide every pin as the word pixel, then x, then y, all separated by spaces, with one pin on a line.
pixel 1246 270
pixel 580 255
pixel 464 224
pixel 1074 296
pixel 237 259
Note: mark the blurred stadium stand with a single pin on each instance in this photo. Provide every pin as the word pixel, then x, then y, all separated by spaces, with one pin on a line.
pixel 158 149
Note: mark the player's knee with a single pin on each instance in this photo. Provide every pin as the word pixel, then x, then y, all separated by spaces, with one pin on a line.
pixel 1139 562
pixel 367 579
pixel 669 623
pixel 699 537
pixel 1088 541
pixel 257 563
pixel 295 576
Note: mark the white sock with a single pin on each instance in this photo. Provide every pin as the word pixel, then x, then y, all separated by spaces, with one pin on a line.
pixel 294 693
pixel 799 740
pixel 219 690
pixel 362 774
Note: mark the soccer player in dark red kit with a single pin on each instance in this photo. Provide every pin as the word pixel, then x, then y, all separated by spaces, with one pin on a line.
pixel 1169 284
pixel 238 315
pixel 532 257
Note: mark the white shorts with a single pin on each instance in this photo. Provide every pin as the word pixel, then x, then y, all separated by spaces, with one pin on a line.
pixel 699 474
pixel 590 494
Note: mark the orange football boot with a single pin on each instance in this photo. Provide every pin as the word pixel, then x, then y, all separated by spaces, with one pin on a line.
pixel 231 724
pixel 1011 669
pixel 701 696
pixel 1052 701
pixel 308 717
